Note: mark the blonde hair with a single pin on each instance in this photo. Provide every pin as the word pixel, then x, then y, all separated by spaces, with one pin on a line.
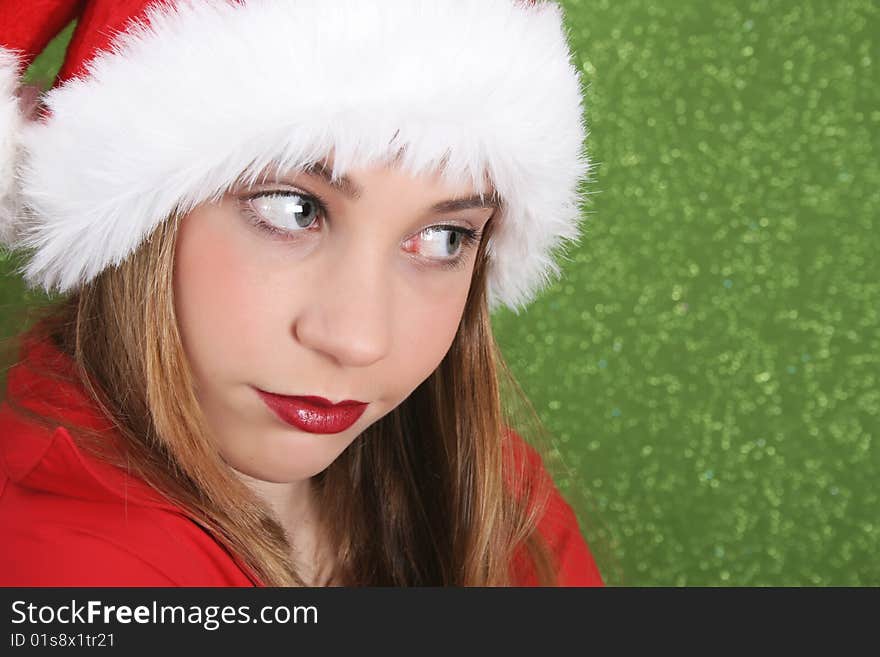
pixel 435 493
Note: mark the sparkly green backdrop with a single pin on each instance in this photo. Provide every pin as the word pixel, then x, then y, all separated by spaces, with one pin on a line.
pixel 709 364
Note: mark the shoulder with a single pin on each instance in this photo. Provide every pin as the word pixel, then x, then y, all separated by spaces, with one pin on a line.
pixel 69 518
pixel 54 540
pixel 56 551
pixel 61 541
pixel 558 524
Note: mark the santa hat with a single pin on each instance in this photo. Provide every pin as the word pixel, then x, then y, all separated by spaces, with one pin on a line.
pixel 162 105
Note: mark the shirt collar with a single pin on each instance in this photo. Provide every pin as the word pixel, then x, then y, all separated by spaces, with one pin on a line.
pixel 47 458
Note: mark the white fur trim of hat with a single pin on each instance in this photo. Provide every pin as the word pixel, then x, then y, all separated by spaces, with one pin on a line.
pixel 194 96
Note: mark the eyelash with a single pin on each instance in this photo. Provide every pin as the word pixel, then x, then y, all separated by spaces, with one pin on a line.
pixel 469 236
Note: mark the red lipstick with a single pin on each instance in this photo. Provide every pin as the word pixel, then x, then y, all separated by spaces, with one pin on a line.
pixel 314 414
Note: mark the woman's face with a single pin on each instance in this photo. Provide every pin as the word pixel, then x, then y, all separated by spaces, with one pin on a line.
pixel 297 287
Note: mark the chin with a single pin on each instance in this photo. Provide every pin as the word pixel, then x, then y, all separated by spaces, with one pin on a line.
pixel 293 457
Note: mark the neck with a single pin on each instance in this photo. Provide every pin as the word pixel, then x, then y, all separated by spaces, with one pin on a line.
pixel 294 506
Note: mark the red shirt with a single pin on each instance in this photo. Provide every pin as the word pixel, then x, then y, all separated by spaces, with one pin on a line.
pixel 69 519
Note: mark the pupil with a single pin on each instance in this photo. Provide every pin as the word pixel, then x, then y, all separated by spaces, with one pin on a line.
pixel 302 218
pixel 453 237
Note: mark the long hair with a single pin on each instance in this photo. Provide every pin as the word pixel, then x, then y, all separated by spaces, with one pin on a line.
pixel 435 493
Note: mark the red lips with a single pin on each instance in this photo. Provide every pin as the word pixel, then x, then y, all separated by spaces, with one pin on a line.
pixel 314 414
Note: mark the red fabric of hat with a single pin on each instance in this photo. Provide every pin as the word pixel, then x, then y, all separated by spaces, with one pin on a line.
pixel 154 112
pixel 28 27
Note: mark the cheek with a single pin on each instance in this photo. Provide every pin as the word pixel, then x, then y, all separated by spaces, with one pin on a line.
pixel 217 295
pixel 434 324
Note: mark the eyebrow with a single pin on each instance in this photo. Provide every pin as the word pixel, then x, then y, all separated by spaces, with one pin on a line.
pixel 352 190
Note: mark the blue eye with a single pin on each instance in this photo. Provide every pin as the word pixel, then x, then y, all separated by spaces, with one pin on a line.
pixel 287 212
pixel 442 243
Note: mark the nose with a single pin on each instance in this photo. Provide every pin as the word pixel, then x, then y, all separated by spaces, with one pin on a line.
pixel 349 316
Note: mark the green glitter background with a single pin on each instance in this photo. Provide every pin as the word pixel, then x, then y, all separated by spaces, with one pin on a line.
pixel 708 365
